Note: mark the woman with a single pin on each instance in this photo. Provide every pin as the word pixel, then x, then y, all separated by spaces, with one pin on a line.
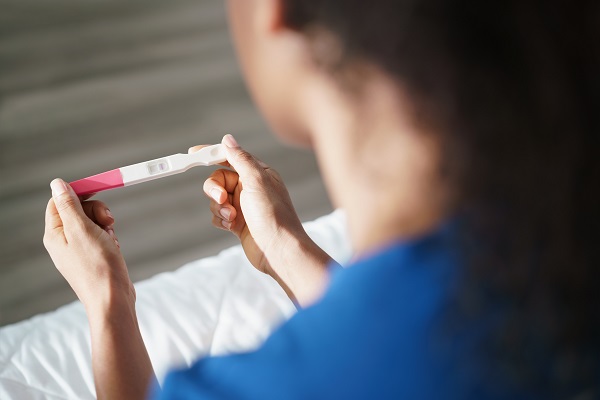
pixel 458 138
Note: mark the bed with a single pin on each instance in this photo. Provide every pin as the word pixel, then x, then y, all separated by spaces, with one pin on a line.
pixel 211 306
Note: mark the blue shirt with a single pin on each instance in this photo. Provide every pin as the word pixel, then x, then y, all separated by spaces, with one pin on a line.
pixel 378 333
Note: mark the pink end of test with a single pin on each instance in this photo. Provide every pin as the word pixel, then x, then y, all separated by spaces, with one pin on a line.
pixel 97 183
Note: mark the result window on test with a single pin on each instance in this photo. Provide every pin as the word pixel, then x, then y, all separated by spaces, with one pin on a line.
pixel 158 166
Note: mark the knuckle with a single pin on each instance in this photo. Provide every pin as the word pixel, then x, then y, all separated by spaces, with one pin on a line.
pixel 100 205
pixel 65 203
pixel 99 210
pixel 48 240
pixel 261 178
pixel 245 157
pixel 275 174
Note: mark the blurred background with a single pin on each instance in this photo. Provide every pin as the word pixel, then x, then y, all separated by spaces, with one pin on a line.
pixel 89 86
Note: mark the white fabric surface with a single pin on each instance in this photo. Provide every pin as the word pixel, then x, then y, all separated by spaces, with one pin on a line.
pixel 214 305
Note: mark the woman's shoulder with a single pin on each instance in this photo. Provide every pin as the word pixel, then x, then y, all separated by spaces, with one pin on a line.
pixel 378 332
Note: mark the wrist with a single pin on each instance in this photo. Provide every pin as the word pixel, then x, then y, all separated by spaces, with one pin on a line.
pixel 299 265
pixel 289 249
pixel 121 366
pixel 111 305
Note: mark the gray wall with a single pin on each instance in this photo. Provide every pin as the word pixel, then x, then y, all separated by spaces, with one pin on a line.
pixel 88 86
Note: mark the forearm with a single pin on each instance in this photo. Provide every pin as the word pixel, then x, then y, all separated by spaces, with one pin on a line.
pixel 82 244
pixel 300 268
pixel 121 365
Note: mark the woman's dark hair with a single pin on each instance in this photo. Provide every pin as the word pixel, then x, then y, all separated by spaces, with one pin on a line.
pixel 512 88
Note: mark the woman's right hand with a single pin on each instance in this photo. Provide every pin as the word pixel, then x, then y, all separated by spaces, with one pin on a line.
pixel 252 202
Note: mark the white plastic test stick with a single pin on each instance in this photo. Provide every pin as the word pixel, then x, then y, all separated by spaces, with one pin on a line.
pixel 149 170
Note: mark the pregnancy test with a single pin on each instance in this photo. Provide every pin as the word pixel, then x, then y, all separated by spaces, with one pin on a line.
pixel 149 170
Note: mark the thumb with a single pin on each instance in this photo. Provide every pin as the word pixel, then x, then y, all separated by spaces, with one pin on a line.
pixel 67 204
pixel 244 163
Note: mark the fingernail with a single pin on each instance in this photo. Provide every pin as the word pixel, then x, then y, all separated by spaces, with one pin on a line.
pixel 230 141
pixel 215 194
pixel 111 233
pixel 225 213
pixel 58 187
pixel 109 214
pixel 226 224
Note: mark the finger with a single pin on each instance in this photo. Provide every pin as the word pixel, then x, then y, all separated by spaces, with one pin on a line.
pixel 98 212
pixel 220 183
pixel 194 149
pixel 68 205
pixel 245 164
pixel 224 211
pixel 85 197
pixel 54 225
pixel 111 232
pixel 221 224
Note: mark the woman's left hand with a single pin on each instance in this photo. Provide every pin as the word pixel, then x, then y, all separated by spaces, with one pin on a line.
pixel 80 239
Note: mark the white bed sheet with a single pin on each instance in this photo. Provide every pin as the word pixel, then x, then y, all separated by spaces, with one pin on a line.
pixel 214 305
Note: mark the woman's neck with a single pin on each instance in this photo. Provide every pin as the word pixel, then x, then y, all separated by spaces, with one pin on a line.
pixel 376 165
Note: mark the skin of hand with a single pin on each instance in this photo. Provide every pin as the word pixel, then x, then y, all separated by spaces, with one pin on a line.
pixel 80 239
pixel 252 202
